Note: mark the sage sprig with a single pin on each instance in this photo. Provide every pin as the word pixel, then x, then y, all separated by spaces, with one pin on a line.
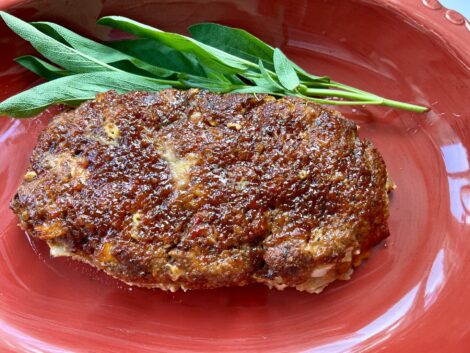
pixel 217 58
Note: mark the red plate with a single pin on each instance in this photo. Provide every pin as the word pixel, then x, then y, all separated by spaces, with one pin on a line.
pixel 412 295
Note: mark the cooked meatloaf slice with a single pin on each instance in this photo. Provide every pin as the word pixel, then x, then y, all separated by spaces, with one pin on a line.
pixel 196 190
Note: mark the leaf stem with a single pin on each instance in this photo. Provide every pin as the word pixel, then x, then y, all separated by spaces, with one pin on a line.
pixel 338 93
pixel 406 106
pixel 359 97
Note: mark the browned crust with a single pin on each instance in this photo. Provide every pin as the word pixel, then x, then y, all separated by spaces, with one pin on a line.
pixel 189 189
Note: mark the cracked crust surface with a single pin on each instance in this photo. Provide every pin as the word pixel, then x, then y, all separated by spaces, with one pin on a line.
pixel 195 190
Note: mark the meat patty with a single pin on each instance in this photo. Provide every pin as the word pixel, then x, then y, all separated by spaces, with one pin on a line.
pixel 195 190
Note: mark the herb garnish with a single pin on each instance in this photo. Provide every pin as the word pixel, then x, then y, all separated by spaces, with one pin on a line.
pixel 217 58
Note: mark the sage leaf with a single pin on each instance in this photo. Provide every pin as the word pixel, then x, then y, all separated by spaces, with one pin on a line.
pixel 213 58
pixel 243 44
pixel 54 50
pixel 100 51
pixel 74 89
pixel 285 71
pixel 256 89
pixel 41 68
pixel 235 41
pixel 266 80
pixel 158 54
pixel 213 84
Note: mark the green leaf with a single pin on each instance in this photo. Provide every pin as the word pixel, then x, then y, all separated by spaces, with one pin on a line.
pixel 307 77
pixel 157 54
pixel 41 68
pixel 285 70
pixel 54 50
pixel 217 76
pixel 256 89
pixel 213 58
pixel 100 51
pixel 234 41
pixel 243 44
pixel 74 89
pixel 266 80
pixel 213 84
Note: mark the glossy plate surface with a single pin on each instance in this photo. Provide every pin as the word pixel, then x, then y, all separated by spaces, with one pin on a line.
pixel 414 292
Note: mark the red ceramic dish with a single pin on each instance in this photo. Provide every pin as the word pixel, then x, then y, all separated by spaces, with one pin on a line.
pixel 413 293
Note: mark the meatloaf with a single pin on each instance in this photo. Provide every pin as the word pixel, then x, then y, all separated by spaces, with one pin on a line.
pixel 196 190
